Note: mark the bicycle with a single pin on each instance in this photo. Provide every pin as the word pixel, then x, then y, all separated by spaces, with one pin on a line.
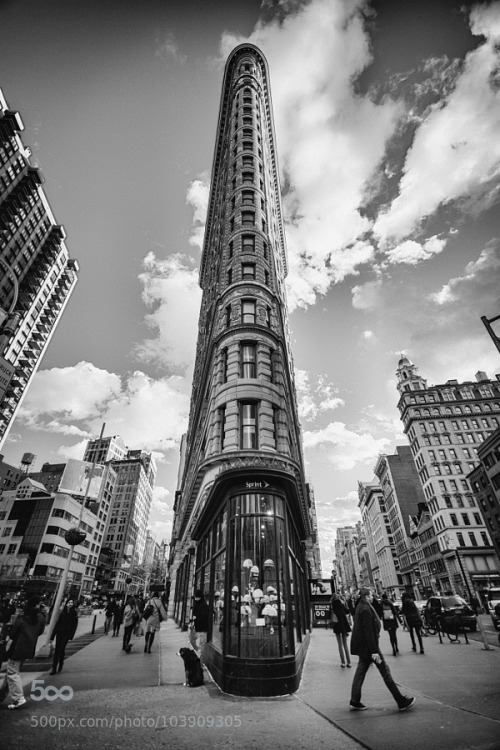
pixel 430 622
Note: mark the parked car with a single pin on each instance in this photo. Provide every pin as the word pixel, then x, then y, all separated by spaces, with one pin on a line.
pixel 493 600
pixel 452 604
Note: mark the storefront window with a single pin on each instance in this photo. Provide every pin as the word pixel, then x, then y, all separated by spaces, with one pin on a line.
pixel 258 607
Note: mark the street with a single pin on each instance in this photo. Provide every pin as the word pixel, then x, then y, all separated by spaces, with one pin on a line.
pixel 116 700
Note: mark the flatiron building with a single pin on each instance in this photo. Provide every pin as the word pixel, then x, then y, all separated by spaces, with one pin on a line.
pixel 244 523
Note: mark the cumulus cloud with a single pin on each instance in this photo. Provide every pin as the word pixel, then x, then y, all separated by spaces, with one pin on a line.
pixel 330 139
pixel 366 296
pixel 168 48
pixel 147 413
pixel 456 151
pixel 170 286
pixel 197 197
pixel 481 280
pixel 344 447
pixel 314 399
pixel 412 252
pixel 77 392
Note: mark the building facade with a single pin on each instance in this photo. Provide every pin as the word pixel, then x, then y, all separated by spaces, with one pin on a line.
pixel 445 425
pixel 485 483
pixel 243 517
pixel 400 484
pixel 346 555
pixel 33 550
pixel 37 275
pixel 379 539
pixel 127 521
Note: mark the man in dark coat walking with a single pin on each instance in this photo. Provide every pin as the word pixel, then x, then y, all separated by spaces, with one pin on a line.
pixel 64 631
pixel 364 643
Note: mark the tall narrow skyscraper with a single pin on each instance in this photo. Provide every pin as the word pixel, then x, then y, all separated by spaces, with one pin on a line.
pixel 37 276
pixel 244 524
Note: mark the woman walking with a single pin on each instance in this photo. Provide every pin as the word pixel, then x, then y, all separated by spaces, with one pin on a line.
pixel 341 628
pixel 390 620
pixel 413 620
pixel 109 612
pixel 154 613
pixel 131 617
pixel 64 631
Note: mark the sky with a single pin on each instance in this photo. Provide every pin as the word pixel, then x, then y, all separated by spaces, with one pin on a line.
pixel 387 116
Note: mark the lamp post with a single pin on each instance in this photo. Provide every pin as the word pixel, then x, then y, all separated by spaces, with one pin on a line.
pixel 73 537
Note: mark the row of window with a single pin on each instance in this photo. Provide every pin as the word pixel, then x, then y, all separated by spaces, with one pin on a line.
pixel 248 420
pixel 247 274
pixel 459 410
pixel 248 313
pixel 472 424
pixel 247 361
pixel 11 549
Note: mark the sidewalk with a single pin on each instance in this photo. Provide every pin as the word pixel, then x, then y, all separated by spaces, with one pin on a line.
pixel 457 688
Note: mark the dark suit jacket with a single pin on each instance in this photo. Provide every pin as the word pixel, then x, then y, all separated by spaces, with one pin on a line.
pixel 366 631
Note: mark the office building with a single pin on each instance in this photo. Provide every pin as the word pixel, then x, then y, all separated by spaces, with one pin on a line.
pixel 379 540
pixel 127 520
pixel 243 520
pixel 445 425
pixel 37 275
pixel 398 479
pixel 33 550
pixel 485 483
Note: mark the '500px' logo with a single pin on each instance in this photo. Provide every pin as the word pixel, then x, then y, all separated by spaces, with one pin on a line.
pixel 50 693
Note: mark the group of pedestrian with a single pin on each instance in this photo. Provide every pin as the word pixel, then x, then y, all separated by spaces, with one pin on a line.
pixel 368 618
pixel 131 612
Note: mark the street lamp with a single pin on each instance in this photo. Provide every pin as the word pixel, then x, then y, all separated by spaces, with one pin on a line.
pixel 73 537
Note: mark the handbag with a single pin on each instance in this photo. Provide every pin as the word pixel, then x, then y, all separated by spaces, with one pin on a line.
pixel 334 619
pixel 148 612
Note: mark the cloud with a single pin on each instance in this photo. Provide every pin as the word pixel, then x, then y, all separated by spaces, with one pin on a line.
pixel 171 288
pixel 412 252
pixel 167 47
pixel 77 392
pixel 197 197
pixel 456 151
pixel 147 413
pixel 367 296
pixel 329 138
pixel 344 447
pixel 162 501
pixel 333 514
pixel 315 399
pixel 480 282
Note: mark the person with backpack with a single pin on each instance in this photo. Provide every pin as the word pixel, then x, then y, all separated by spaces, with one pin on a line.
pixel 390 621
pixel 154 613
pixel 413 620
pixel 131 616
